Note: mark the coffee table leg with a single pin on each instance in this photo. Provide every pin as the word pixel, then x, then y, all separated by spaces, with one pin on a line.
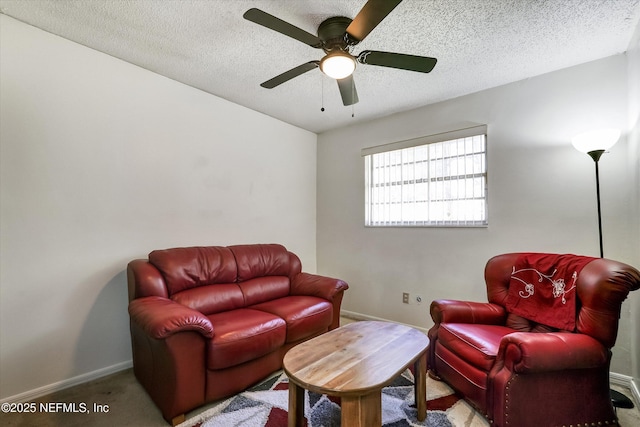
pixel 362 411
pixel 420 368
pixel 296 406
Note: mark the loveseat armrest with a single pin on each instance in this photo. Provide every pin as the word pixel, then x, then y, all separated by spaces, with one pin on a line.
pixel 317 286
pixel 531 352
pixel 454 311
pixel 324 287
pixel 161 317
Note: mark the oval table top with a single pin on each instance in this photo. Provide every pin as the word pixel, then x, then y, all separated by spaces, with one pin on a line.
pixel 354 359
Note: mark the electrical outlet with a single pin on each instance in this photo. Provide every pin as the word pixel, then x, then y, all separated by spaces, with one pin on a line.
pixel 418 299
pixel 405 298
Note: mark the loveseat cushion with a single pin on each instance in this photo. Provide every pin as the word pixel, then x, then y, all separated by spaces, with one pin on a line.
pixel 305 316
pixel 186 268
pixel 263 289
pixel 478 345
pixel 242 335
pixel 263 260
pixel 210 299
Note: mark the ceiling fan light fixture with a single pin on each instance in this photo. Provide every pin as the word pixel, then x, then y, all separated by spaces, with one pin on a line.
pixel 338 64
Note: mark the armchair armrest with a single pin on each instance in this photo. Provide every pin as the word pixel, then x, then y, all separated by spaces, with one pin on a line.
pixel 161 317
pixel 318 286
pixel 453 311
pixel 530 352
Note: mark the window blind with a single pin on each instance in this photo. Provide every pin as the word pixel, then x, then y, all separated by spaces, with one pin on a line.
pixel 437 180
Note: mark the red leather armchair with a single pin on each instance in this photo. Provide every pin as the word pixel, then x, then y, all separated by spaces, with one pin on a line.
pixel 208 322
pixel 515 368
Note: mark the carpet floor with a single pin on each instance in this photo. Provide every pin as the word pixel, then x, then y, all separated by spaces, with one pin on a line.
pixel 266 404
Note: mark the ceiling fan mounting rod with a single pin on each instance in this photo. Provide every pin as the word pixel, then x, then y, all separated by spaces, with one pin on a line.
pixel 332 32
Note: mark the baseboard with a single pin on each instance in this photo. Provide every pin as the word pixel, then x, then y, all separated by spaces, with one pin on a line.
pixel 359 316
pixel 635 392
pixel 61 385
pixel 627 382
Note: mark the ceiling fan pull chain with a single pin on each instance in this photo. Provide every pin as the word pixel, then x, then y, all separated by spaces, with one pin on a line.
pixel 321 92
pixel 353 91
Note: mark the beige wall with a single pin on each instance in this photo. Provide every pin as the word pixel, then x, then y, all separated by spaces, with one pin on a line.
pixel 541 194
pixel 102 162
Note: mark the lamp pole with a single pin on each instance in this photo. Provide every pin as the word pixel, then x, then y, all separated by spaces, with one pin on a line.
pixel 595 155
pixel 595 143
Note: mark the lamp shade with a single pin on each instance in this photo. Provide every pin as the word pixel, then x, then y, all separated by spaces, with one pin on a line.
pixel 338 64
pixel 594 140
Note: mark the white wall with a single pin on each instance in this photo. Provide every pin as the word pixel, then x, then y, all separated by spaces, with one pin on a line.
pixel 633 57
pixel 541 194
pixel 102 162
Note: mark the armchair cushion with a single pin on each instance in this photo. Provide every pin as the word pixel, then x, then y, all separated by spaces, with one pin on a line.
pixel 521 324
pixel 476 344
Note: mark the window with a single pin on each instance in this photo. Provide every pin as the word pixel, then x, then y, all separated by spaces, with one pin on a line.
pixel 440 180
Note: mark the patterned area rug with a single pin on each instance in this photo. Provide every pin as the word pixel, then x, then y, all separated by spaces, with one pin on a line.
pixel 266 404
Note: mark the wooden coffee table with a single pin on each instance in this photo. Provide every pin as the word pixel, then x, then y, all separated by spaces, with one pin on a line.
pixel 355 362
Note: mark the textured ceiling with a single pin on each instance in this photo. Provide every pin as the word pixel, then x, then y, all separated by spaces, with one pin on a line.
pixel 208 45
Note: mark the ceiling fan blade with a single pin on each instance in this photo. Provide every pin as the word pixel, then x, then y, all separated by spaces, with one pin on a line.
pixel 348 90
pixel 288 75
pixel 421 64
pixel 277 24
pixel 371 14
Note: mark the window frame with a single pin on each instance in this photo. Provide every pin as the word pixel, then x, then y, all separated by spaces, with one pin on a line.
pixel 440 138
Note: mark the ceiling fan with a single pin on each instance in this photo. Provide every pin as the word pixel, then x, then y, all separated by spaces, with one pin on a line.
pixel 336 36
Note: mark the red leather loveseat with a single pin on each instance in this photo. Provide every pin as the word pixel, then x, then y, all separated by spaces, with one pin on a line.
pixel 537 353
pixel 207 322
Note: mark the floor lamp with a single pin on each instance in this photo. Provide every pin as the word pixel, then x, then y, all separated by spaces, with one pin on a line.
pixel 595 143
